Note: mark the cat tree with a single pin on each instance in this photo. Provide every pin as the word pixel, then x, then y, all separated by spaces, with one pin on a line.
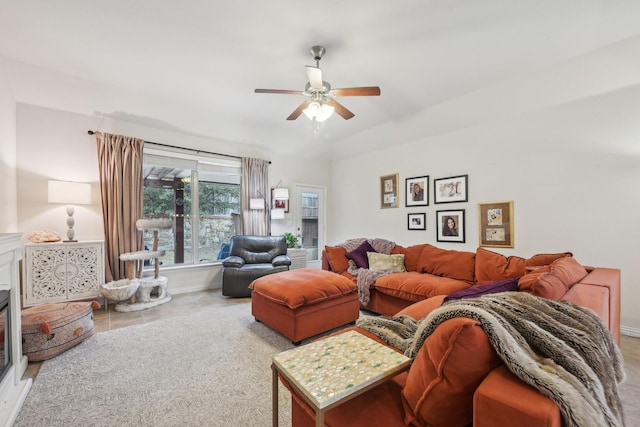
pixel 139 293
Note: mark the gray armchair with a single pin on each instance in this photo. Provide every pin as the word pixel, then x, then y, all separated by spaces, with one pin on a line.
pixel 251 257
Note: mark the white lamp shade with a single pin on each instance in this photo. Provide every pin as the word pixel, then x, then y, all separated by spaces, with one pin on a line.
pixel 277 213
pixel 70 193
pixel 256 204
pixel 318 112
pixel 281 193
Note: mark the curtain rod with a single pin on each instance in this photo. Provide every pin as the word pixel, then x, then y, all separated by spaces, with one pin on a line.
pixel 90 132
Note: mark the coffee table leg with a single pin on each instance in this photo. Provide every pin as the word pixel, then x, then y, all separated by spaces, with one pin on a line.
pixel 274 396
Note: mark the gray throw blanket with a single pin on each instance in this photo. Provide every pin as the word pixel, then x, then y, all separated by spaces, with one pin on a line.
pixel 365 277
pixel 561 349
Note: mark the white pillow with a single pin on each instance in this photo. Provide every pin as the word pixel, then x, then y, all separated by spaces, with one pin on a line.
pixel 382 262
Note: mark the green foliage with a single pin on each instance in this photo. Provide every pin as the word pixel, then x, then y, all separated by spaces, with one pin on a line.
pixel 219 199
pixel 292 240
pixel 215 199
pixel 158 201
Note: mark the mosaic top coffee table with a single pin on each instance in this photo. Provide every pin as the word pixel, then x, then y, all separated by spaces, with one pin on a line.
pixel 331 371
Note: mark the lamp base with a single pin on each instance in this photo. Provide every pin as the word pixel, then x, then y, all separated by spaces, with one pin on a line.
pixel 69 241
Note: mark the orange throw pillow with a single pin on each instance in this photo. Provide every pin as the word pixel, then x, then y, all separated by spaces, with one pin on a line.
pixel 337 257
pixel 545 259
pixel 492 266
pixel 554 283
pixel 446 372
pixel 412 256
pixel 457 265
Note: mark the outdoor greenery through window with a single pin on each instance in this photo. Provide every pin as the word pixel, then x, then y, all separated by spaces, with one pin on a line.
pixel 201 195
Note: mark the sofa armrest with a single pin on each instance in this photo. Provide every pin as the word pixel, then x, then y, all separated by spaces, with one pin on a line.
pixel 600 291
pixel 233 261
pixel 281 260
pixel 503 400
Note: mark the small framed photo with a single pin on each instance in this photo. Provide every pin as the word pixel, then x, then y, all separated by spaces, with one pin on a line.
pixel 417 221
pixel 450 226
pixel 417 191
pixel 279 203
pixel 389 197
pixel 450 190
pixel 496 224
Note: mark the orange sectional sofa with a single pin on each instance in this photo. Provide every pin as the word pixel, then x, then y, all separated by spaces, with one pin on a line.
pixel 432 271
pixel 457 379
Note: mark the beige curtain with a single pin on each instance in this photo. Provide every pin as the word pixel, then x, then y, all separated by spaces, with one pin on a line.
pixel 255 185
pixel 121 184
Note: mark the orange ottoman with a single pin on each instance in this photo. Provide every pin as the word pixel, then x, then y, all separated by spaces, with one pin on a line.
pixel 302 303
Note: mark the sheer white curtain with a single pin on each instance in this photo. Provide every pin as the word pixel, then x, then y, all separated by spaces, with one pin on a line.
pixel 255 185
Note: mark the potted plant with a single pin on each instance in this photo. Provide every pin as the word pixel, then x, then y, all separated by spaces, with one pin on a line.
pixel 292 240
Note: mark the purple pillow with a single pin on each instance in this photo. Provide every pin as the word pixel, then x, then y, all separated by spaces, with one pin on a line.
pixel 359 254
pixel 505 285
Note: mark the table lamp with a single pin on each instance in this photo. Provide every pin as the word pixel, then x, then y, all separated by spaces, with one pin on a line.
pixel 70 193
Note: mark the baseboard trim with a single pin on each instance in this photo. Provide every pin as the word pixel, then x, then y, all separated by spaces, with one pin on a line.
pixel 630 332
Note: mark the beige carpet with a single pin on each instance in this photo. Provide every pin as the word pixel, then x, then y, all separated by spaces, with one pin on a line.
pixel 209 367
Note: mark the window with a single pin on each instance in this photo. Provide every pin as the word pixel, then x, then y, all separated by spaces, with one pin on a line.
pixel 201 194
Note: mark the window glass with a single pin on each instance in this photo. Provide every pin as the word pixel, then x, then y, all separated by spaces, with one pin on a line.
pixel 202 225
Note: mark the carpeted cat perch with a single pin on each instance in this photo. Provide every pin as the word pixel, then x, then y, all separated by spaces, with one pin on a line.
pixel 140 293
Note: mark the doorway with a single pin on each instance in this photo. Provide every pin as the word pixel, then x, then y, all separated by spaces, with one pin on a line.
pixel 309 221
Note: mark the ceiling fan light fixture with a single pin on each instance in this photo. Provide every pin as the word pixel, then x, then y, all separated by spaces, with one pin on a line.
pixel 318 112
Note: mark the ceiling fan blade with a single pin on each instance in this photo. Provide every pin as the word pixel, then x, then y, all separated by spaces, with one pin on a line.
pixel 288 92
pixel 340 109
pixel 315 76
pixel 296 113
pixel 357 91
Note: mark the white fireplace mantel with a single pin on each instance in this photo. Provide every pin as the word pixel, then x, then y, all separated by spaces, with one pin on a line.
pixel 13 389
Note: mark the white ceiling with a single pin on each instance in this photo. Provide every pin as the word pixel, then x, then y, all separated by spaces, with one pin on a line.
pixel 192 66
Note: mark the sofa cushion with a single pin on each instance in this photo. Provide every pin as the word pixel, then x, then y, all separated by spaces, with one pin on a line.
pixel 492 266
pixel 359 254
pixel 414 286
pixel 452 363
pixel 305 286
pixel 382 262
pixel 411 256
pixel 421 309
pixel 458 265
pixel 506 285
pixel 337 258
pixel 545 259
pixel 562 274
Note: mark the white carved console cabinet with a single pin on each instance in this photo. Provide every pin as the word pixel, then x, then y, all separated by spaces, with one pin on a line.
pixel 56 272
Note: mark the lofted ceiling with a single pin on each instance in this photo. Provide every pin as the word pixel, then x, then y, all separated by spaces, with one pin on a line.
pixel 192 66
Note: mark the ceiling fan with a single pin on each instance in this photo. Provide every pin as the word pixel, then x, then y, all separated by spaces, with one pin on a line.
pixel 321 103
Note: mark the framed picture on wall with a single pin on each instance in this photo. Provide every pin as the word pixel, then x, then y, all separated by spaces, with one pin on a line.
pixel 496 224
pixel 450 226
pixel 417 191
pixel 279 203
pixel 450 190
pixel 417 221
pixel 389 197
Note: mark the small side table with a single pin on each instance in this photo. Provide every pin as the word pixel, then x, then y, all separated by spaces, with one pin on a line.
pixel 298 258
pixel 331 371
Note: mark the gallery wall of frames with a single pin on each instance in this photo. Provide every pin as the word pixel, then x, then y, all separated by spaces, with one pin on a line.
pixel 496 224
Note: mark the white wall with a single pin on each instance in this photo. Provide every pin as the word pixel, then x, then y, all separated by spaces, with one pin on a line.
pixel 53 144
pixel 573 172
pixel 9 211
